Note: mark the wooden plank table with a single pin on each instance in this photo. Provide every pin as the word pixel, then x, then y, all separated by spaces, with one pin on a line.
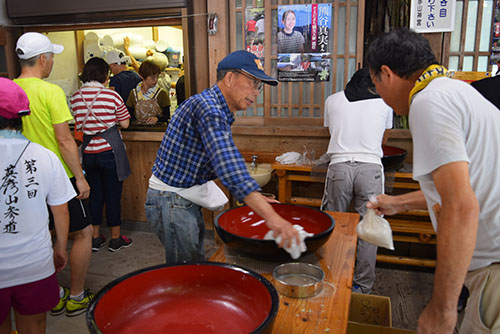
pixel 328 311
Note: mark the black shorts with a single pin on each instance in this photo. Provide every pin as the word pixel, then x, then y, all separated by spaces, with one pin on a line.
pixel 79 216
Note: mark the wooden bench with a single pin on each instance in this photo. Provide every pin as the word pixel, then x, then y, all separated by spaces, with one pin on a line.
pixel 411 226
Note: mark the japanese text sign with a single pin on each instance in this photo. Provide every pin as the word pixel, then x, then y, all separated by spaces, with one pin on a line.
pixel 432 15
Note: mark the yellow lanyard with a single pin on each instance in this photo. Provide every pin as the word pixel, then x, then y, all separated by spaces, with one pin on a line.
pixel 432 72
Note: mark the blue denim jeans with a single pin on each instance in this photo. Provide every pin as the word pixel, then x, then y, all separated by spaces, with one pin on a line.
pixel 105 188
pixel 179 225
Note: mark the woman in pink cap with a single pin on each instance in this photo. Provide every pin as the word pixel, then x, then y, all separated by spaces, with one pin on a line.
pixel 32 177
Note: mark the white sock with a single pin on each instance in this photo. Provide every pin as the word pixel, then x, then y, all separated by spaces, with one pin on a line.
pixel 61 292
pixel 77 297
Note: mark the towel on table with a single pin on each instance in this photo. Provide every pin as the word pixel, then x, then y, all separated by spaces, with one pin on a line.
pixel 294 250
pixel 289 158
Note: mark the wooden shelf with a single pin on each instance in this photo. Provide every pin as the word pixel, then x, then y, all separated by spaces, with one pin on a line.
pixel 306 201
pixel 406 260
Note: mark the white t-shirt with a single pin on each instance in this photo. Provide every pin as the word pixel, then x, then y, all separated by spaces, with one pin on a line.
pixel 451 121
pixel 261 26
pixel 356 128
pixel 37 180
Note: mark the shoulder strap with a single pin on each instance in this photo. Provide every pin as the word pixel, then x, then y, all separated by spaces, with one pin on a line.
pixel 20 155
pixel 157 92
pixel 89 108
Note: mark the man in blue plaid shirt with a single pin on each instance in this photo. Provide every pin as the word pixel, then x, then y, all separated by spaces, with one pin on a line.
pixel 197 148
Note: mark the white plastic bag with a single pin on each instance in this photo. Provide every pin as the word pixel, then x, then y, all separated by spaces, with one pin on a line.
pixel 376 230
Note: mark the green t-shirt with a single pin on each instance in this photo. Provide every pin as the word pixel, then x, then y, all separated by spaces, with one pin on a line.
pixel 48 106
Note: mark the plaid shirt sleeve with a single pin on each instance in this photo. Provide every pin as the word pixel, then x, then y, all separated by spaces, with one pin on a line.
pixel 224 156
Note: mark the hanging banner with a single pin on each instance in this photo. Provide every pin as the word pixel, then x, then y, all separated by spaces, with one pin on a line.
pixel 432 15
pixel 303 41
pixel 495 37
pixel 254 31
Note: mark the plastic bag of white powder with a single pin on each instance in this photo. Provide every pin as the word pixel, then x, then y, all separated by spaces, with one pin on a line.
pixel 376 230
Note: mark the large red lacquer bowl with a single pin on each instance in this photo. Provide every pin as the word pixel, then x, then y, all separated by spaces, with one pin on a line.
pixel 242 230
pixel 393 157
pixel 192 298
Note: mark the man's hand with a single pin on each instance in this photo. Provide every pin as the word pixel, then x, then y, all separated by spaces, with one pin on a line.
pixel 391 205
pixel 283 228
pixel 280 227
pixel 385 205
pixel 83 188
pixel 60 257
pixel 435 320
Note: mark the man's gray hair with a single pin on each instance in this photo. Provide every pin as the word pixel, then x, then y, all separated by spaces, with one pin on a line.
pixel 30 62
pixel 222 73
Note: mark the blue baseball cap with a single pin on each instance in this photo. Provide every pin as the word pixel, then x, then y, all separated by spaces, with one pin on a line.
pixel 247 62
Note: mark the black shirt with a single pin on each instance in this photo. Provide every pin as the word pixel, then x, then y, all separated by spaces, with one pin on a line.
pixel 489 88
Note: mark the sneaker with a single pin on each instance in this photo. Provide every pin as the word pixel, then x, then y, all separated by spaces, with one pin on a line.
pixel 356 288
pixel 61 306
pixel 122 242
pixel 77 307
pixel 98 242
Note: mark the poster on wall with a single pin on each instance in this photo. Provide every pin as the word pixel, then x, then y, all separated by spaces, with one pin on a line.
pixel 303 42
pixel 495 42
pixel 254 31
pixel 432 15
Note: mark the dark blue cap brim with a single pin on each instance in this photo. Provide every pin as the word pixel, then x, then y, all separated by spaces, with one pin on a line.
pixel 259 74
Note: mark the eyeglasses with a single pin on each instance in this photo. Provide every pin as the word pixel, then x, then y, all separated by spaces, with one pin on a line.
pixel 257 84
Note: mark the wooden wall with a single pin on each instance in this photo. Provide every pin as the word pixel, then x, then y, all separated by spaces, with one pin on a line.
pixel 142 148
pixel 141 152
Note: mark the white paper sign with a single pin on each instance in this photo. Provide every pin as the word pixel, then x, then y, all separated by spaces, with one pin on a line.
pixel 432 15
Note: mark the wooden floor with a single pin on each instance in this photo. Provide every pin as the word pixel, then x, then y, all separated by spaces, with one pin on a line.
pixel 409 289
pixel 409 292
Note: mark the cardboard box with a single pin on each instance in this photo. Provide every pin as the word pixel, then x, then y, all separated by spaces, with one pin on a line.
pixel 371 314
pixel 370 309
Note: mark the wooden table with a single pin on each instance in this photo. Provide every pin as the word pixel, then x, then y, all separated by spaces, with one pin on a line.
pixel 326 312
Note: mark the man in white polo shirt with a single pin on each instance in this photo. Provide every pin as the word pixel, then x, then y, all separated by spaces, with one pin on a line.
pixel 359 123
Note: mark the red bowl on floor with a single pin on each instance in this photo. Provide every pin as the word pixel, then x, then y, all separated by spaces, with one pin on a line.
pixel 393 157
pixel 243 231
pixel 201 298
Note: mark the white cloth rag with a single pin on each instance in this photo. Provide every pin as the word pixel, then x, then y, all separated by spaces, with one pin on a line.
pixel 294 250
pixel 289 158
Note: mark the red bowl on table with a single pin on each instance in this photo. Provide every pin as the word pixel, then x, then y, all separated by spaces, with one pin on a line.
pixel 243 231
pixel 191 298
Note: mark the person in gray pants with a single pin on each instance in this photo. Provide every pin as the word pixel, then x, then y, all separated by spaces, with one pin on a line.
pixel 358 120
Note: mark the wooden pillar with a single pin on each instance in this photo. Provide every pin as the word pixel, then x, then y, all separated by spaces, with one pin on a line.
pixel 8 38
pixel 218 44
pixel 198 48
pixel 436 42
